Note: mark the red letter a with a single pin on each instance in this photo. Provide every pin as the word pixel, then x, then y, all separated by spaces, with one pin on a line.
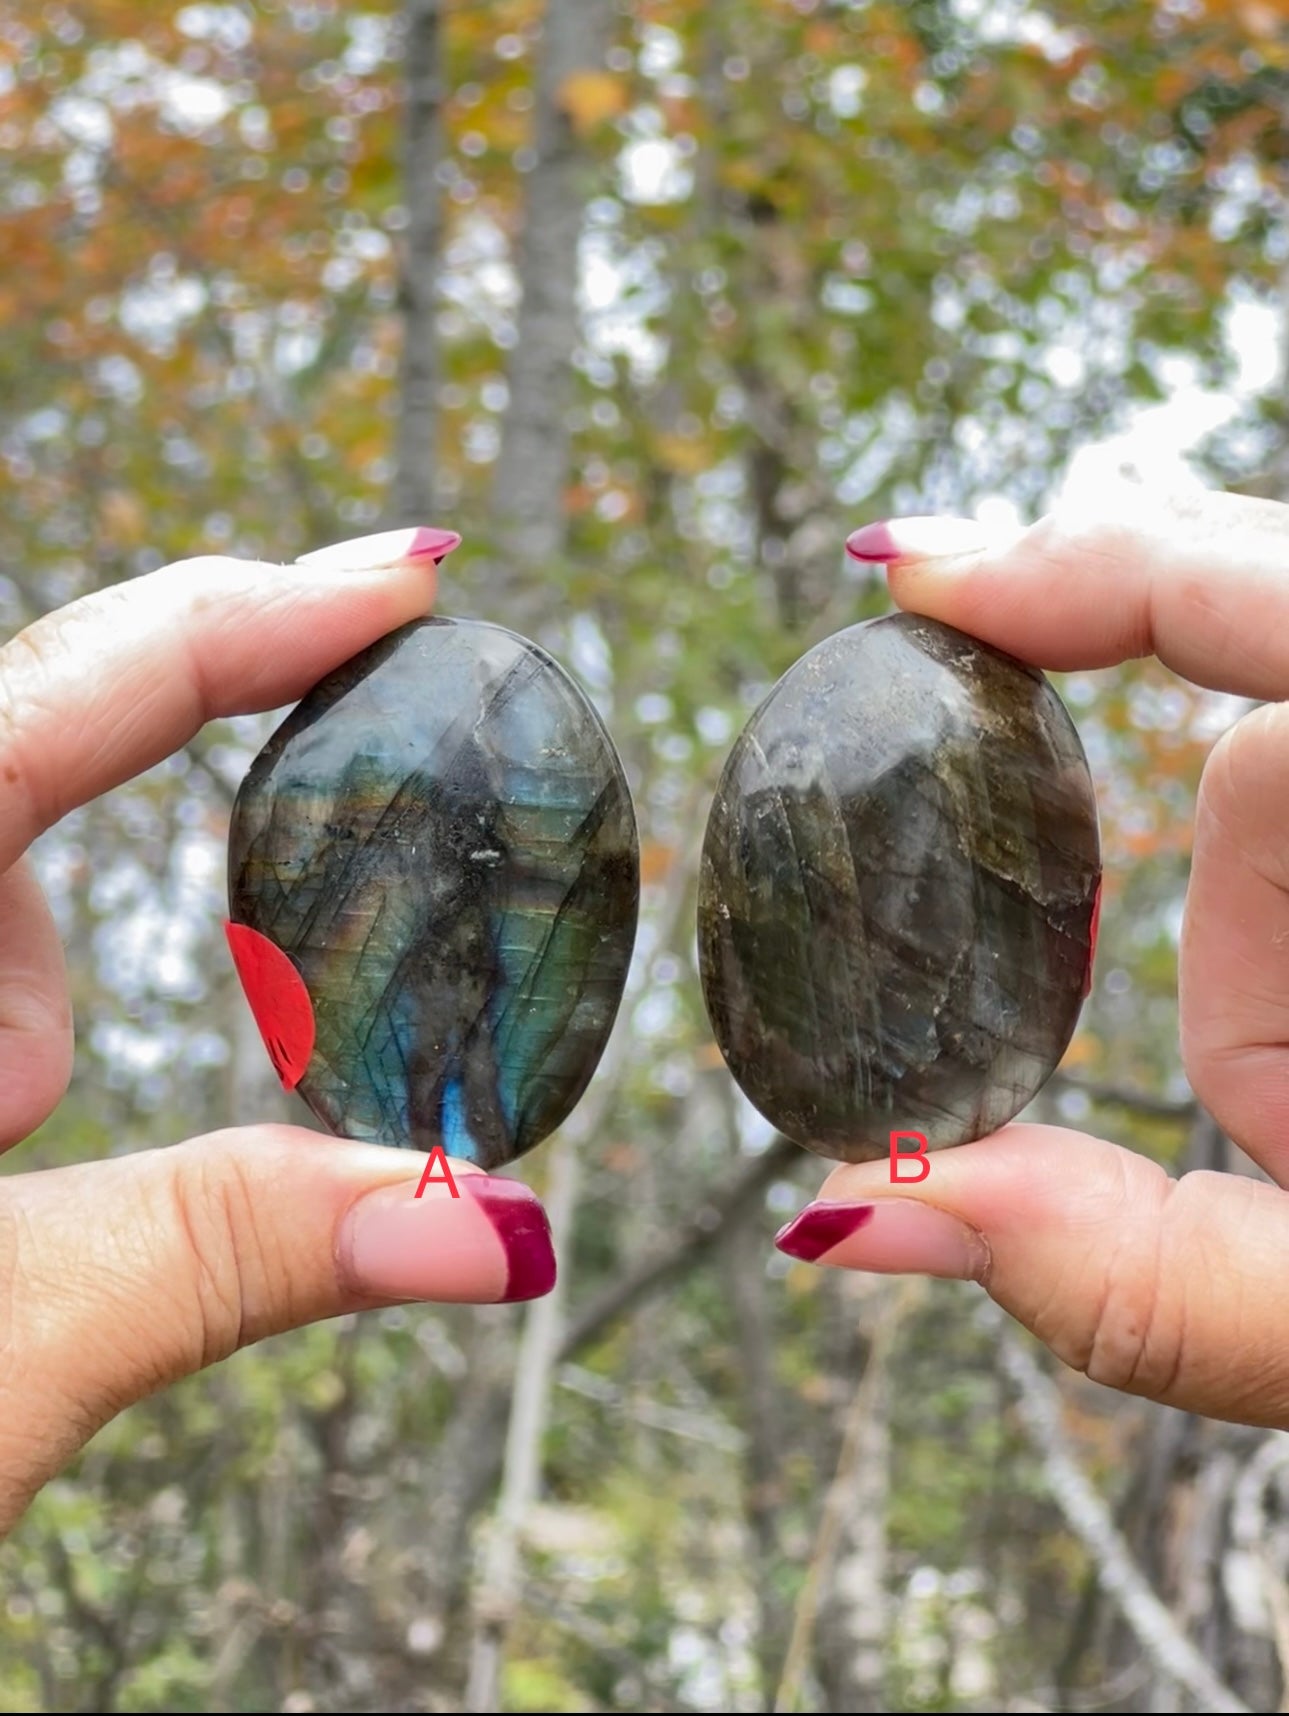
pixel 915 1157
pixel 439 1160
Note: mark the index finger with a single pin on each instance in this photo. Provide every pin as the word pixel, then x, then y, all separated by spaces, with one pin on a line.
pixel 106 687
pixel 1200 580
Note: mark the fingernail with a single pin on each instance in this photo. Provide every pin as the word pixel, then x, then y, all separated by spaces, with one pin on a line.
pixel 819 1227
pixel 488 1245
pixel 387 548
pixel 892 1236
pixel 915 539
pixel 524 1231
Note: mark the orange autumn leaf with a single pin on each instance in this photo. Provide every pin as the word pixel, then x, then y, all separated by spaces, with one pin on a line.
pixel 685 455
pixel 656 860
pixel 578 498
pixel 1082 1052
pixel 623 1159
pixel 592 97
pixel 1261 19
pixel 122 517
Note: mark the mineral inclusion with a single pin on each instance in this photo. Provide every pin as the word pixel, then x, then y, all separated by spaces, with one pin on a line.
pixel 898 891
pixel 440 841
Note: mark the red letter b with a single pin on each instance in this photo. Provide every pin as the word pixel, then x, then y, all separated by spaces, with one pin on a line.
pixel 916 1157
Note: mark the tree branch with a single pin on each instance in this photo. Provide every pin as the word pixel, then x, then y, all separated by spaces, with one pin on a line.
pixel 1088 1516
pixel 540 1352
pixel 832 1518
pixel 1127 1096
pixel 708 1227
pixel 498 1588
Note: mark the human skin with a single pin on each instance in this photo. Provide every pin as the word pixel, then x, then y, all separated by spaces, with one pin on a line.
pixel 118 1277
pixel 1176 1289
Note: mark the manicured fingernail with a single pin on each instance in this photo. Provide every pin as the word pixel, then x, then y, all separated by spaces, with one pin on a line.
pixel 915 539
pixel 489 1244
pixel 891 1236
pixel 820 1227
pixel 387 548
pixel 524 1231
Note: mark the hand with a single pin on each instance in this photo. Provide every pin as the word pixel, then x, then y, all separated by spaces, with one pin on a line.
pixel 118 1277
pixel 1174 1289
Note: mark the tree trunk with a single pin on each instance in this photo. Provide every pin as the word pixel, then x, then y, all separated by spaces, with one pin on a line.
pixel 532 464
pixel 855 1609
pixel 529 505
pixel 743 1262
pixel 412 497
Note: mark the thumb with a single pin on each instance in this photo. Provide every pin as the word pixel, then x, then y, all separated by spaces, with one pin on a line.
pixel 118 1277
pixel 1195 578
pixel 1173 1289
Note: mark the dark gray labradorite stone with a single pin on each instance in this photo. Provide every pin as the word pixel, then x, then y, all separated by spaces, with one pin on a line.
pixel 898 890
pixel 440 839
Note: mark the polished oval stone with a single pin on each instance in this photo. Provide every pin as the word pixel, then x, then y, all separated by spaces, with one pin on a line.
pixel 440 841
pixel 898 890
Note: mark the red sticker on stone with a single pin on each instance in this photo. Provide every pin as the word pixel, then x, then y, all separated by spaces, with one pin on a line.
pixel 278 998
pixel 1092 939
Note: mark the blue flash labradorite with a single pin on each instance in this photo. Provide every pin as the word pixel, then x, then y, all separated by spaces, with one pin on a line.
pixel 898 890
pixel 441 839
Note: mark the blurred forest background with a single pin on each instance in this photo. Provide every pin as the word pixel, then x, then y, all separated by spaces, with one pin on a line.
pixel 654 301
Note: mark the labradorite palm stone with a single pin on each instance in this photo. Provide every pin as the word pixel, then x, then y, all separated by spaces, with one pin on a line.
pixel 441 839
pixel 897 894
